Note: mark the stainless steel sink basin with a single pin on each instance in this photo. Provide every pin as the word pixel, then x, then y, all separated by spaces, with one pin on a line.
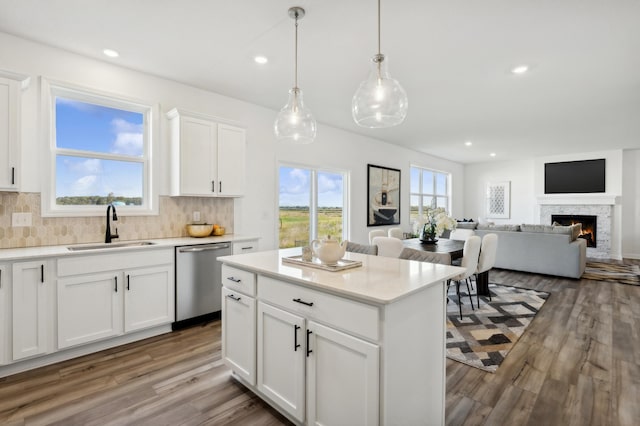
pixel 101 246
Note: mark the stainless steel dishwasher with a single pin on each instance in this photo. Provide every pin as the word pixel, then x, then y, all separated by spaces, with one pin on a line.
pixel 198 282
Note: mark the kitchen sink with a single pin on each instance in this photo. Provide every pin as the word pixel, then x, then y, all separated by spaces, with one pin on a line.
pixel 101 246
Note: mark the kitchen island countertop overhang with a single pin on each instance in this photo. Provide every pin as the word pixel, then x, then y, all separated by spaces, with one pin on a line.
pixel 380 280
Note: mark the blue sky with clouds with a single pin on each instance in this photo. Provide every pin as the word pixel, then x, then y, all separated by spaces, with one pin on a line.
pixel 295 188
pixel 89 127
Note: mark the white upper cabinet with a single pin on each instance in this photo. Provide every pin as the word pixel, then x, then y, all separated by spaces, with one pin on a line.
pixel 207 156
pixel 9 133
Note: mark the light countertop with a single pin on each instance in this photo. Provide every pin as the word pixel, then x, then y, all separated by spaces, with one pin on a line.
pixel 25 253
pixel 380 280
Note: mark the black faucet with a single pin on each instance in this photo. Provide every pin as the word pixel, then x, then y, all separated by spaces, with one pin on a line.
pixel 108 235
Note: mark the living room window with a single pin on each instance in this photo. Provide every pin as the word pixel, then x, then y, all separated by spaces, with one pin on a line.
pixel 429 188
pixel 312 204
pixel 99 153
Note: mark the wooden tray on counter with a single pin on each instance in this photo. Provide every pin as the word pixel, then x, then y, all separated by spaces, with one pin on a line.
pixel 341 265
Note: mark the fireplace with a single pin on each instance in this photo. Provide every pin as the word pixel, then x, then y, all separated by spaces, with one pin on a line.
pixel 589 225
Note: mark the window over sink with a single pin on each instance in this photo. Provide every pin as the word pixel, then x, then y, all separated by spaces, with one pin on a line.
pixel 99 152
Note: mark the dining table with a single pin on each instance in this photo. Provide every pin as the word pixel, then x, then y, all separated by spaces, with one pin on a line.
pixel 455 249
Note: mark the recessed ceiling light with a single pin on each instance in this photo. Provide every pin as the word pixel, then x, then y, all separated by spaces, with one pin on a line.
pixel 493 154
pixel 520 69
pixel 468 143
pixel 111 53
pixel 261 60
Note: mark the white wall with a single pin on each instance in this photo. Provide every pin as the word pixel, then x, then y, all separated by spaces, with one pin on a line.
pixel 631 204
pixel 255 213
pixel 521 175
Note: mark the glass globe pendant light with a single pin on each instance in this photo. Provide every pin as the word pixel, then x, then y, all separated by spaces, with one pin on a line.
pixel 380 101
pixel 294 122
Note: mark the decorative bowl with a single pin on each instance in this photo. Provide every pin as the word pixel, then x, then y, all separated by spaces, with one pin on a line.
pixel 218 231
pixel 199 229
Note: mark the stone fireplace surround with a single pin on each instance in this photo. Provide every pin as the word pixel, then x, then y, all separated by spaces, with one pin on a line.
pixel 597 205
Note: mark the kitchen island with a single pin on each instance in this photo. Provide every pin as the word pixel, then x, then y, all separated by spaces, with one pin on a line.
pixel 359 346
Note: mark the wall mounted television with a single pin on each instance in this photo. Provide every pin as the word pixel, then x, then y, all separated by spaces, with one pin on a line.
pixel 575 177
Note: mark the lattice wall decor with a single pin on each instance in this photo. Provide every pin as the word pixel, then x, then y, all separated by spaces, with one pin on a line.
pixel 498 200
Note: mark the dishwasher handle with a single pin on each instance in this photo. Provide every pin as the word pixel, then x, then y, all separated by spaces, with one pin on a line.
pixel 205 248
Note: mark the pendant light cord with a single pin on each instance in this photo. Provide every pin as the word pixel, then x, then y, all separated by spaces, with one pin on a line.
pixel 379 50
pixel 296 55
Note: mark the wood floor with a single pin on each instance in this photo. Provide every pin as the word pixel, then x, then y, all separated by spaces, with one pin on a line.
pixel 577 364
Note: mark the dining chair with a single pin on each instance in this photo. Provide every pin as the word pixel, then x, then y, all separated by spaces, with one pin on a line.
pixel 376 233
pixel 361 248
pixel 425 256
pixel 470 254
pixel 389 246
pixel 461 234
pixel 395 233
pixel 487 258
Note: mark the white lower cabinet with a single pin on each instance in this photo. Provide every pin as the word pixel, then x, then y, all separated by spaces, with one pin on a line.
pixel 316 357
pixel 96 302
pixel 281 358
pixel 245 247
pixel 149 297
pixel 89 308
pixel 342 378
pixel 31 308
pixel 239 333
pixel 316 372
pixel 5 315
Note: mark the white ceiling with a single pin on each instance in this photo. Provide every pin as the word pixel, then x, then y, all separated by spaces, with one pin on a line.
pixel 452 56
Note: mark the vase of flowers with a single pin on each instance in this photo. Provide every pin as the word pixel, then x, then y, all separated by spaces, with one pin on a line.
pixel 437 221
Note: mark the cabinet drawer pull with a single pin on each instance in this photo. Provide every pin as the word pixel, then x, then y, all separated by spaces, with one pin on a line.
pixel 303 302
pixel 234 279
pixel 247 248
pixel 308 349
pixel 236 298
pixel 296 345
pixel 116 281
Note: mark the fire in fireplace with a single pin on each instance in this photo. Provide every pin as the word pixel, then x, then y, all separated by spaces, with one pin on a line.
pixel 588 222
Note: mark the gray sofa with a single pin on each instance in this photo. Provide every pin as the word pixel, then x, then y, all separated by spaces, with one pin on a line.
pixel 547 250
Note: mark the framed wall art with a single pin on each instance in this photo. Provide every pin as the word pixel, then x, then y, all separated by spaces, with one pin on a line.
pixel 498 200
pixel 383 196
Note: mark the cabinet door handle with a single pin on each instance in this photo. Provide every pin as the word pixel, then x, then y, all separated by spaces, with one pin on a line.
pixel 127 281
pixel 234 279
pixel 42 273
pixel 308 350
pixel 296 345
pixel 220 186
pixel 213 186
pixel 303 302
pixel 236 298
pixel 13 176
pixel 116 281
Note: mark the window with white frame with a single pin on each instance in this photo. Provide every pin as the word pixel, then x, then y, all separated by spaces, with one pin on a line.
pixel 312 204
pixel 429 188
pixel 99 153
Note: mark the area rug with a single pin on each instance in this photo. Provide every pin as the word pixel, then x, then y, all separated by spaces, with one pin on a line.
pixel 484 336
pixel 603 271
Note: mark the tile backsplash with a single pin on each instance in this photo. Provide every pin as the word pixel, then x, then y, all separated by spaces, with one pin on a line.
pixel 175 213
